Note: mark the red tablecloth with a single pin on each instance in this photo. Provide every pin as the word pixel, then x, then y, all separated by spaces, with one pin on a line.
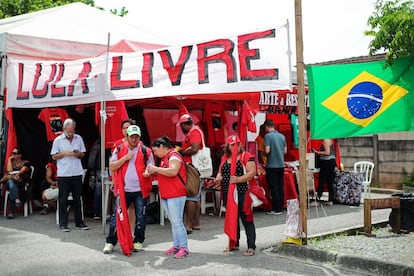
pixel 290 191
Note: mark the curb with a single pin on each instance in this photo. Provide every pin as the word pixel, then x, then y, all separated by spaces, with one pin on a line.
pixel 346 261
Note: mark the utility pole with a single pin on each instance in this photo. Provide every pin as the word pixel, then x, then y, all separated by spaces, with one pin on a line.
pixel 302 118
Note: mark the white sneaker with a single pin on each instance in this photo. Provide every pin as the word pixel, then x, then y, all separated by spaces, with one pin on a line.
pixel 108 248
pixel 274 213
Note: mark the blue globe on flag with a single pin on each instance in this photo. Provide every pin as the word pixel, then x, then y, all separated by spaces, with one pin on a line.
pixel 364 99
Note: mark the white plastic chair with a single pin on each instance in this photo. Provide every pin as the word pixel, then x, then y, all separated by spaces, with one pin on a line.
pixel 27 207
pixel 366 168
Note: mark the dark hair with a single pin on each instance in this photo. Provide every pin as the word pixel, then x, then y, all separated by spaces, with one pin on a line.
pixel 17 150
pixel 269 123
pixel 228 152
pixel 164 140
pixel 130 121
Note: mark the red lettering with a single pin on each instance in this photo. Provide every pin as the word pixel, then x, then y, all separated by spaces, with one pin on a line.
pixel 147 80
pixel 58 91
pixel 21 95
pixel 40 93
pixel 246 55
pixel 86 70
pixel 175 72
pixel 226 56
pixel 116 82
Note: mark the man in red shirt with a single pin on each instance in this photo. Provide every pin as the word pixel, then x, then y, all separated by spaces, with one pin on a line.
pixel 190 146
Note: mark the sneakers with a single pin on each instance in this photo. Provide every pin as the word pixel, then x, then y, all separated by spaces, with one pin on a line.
pixel 138 247
pixel 64 228
pixel 45 210
pixel 96 217
pixel 182 253
pixel 275 213
pixel 82 226
pixel 328 203
pixel 108 248
pixel 172 250
pixel 10 216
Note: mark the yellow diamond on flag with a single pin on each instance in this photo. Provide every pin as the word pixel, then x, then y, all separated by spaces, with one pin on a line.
pixel 364 98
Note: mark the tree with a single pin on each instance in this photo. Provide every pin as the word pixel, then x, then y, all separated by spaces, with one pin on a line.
pixel 392 26
pixel 9 8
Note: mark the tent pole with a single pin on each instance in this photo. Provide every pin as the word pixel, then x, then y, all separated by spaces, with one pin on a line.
pixel 289 53
pixel 104 173
pixel 302 118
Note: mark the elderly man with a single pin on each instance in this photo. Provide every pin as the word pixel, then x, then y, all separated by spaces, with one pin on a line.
pixel 68 149
pixel 131 185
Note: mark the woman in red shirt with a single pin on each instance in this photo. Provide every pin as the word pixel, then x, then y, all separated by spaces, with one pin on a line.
pixel 172 192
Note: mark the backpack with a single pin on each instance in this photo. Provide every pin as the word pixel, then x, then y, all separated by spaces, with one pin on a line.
pixel 193 179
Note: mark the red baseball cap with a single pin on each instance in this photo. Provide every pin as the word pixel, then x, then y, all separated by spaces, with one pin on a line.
pixel 232 139
pixel 184 118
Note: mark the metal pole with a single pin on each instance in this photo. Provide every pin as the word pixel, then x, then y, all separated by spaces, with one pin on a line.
pixel 103 121
pixel 289 53
pixel 302 118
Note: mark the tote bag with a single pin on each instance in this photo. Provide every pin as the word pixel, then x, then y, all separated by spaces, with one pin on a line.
pixel 202 161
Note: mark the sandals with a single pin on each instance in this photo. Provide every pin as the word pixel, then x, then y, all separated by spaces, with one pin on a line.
pixel 249 252
pixel 234 248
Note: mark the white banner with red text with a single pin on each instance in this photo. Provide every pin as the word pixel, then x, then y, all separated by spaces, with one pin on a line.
pixel 250 62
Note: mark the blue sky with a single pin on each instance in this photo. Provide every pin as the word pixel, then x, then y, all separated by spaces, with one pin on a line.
pixel 332 29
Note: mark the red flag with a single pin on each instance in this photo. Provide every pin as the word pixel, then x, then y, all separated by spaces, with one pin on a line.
pixel 11 135
pixel 123 228
pixel 182 110
pixel 232 214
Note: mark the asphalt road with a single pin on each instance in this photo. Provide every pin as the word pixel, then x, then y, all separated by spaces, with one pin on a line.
pixel 33 245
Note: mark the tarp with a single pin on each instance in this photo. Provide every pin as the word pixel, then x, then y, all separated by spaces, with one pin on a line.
pixel 76 22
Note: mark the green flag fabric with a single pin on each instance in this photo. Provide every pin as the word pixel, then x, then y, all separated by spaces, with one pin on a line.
pixel 348 100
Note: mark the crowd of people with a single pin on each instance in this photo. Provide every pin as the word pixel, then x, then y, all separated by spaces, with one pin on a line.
pixel 134 166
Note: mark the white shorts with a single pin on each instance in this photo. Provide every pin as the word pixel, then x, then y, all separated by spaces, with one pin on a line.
pixel 51 194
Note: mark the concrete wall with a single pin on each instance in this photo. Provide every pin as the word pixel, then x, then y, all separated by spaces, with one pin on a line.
pixel 389 156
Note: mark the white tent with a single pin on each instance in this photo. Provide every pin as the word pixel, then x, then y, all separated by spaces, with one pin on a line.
pixel 75 23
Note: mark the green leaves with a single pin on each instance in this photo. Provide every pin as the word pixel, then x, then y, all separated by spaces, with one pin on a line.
pixel 392 28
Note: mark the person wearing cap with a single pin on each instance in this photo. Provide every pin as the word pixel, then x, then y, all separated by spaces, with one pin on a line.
pixel 275 149
pixel 245 172
pixel 190 146
pixel 132 184
pixel 68 149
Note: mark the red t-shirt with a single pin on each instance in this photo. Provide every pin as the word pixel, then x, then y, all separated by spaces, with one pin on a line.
pixel 193 136
pixel 116 113
pixel 53 119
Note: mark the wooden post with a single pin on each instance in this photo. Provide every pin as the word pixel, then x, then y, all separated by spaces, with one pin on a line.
pixel 300 68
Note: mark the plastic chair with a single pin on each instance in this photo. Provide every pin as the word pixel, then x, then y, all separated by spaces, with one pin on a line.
pixel 71 198
pixel 204 203
pixel 27 207
pixel 311 191
pixel 366 168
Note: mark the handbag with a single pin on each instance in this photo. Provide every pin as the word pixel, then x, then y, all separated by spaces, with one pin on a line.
pixel 202 160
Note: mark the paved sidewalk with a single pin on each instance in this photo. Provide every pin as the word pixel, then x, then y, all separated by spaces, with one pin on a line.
pixel 37 240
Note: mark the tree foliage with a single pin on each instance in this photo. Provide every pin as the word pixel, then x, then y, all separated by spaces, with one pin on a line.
pixel 392 26
pixel 9 8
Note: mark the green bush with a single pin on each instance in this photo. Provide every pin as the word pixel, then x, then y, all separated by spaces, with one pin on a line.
pixel 408 178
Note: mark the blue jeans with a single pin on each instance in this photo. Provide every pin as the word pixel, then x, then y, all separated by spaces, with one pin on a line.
pixel 14 194
pixel 174 207
pixel 140 205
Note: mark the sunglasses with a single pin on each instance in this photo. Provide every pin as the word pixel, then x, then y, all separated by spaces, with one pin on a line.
pixel 15 152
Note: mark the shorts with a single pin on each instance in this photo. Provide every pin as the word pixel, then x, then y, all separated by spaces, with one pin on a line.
pixel 51 194
pixel 198 196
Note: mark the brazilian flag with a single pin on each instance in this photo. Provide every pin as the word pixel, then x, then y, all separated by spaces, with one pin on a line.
pixel 357 99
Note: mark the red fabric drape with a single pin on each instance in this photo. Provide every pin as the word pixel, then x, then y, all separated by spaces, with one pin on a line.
pixel 232 214
pixel 11 135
